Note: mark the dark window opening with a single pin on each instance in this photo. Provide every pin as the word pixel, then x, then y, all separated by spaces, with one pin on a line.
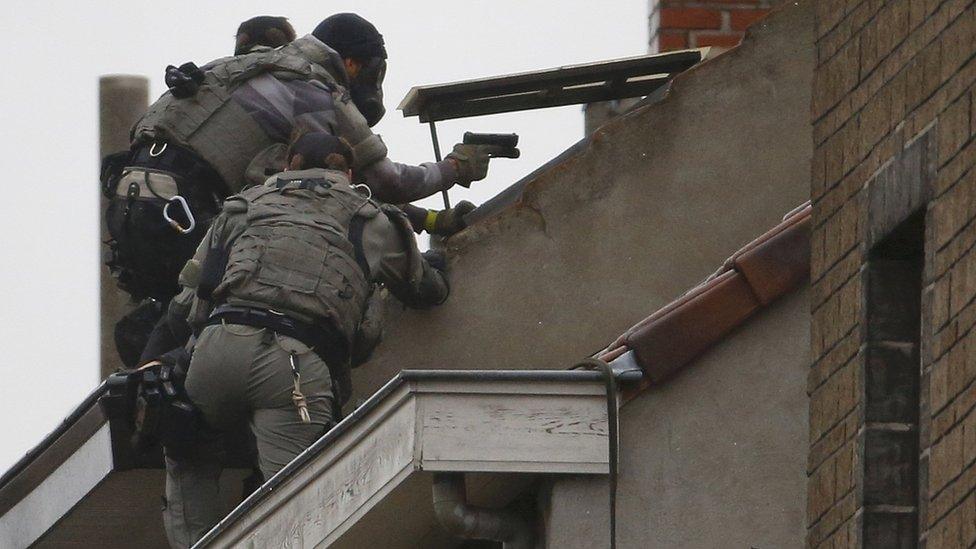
pixel 893 295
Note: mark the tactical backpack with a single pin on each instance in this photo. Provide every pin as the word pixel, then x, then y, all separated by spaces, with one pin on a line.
pixel 155 219
pixel 189 151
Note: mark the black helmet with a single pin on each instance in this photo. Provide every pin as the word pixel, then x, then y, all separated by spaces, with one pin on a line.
pixel 351 36
pixel 356 38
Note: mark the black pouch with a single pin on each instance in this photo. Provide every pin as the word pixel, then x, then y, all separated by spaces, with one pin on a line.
pixel 111 171
pixel 146 253
pixel 161 411
pixel 118 402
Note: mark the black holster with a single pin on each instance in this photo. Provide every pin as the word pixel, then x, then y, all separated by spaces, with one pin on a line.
pixel 153 406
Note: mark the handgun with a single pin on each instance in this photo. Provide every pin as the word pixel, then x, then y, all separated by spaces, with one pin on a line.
pixel 508 141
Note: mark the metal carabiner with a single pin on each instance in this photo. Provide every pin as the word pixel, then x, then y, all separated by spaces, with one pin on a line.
pixel 364 189
pixel 186 209
pixel 152 150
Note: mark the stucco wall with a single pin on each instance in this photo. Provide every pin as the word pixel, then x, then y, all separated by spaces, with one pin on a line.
pixel 714 457
pixel 652 203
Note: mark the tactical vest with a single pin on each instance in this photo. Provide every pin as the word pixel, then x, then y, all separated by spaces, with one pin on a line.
pixel 218 129
pixel 295 256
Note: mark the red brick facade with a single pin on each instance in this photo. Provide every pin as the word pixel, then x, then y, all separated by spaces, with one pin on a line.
pixel 893 136
pixel 679 24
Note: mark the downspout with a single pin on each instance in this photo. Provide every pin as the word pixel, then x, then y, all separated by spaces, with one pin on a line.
pixel 470 522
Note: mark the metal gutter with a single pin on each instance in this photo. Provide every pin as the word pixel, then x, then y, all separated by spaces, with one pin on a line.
pixel 32 454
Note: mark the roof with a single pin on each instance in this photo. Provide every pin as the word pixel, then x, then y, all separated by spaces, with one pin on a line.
pixel 569 85
pixel 425 421
pixel 770 266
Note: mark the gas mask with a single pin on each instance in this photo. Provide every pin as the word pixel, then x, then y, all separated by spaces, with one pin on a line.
pixel 366 90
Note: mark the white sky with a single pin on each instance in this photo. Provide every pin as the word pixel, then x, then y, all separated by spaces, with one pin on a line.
pixel 48 114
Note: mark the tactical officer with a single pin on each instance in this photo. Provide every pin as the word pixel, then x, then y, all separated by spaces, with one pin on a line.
pixel 363 56
pixel 224 126
pixel 267 32
pixel 260 33
pixel 280 283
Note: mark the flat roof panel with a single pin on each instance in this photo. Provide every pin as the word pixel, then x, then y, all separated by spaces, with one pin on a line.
pixel 604 80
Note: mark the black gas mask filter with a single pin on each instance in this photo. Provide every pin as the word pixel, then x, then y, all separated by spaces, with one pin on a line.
pixel 366 89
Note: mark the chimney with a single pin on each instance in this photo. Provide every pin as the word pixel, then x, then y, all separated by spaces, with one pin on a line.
pixel 122 99
pixel 680 24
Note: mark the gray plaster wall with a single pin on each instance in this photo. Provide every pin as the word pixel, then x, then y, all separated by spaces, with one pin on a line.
pixel 714 457
pixel 647 206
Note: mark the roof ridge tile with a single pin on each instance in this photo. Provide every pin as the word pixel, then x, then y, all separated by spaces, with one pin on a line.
pixel 768 267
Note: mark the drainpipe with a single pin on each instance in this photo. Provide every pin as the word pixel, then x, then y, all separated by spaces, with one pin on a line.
pixel 470 522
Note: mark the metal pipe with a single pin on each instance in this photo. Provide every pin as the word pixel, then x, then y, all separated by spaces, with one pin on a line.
pixel 470 522
pixel 437 157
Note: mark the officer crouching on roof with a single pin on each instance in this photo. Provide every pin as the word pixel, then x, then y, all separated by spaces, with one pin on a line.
pixel 279 286
pixel 226 124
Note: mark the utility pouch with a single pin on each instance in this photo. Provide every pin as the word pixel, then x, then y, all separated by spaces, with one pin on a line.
pixel 212 272
pixel 155 219
pixel 152 405
pixel 118 402
pixel 148 407
pixel 112 165
pixel 164 413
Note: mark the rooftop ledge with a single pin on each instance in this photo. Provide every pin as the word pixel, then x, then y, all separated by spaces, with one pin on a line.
pixel 369 467
pixel 80 482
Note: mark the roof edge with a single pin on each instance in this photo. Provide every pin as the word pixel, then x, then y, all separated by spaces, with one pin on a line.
pixel 774 264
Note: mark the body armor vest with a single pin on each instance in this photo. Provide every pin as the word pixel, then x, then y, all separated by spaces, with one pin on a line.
pixel 295 256
pixel 218 129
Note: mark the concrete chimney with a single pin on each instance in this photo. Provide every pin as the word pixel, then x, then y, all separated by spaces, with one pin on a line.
pixel 122 99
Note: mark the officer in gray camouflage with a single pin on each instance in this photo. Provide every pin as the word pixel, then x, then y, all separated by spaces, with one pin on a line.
pixel 266 32
pixel 279 286
pixel 225 125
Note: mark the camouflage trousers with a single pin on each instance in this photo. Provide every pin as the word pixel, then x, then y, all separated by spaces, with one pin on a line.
pixel 241 373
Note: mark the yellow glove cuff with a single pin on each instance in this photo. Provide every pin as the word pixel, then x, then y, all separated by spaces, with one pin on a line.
pixel 430 220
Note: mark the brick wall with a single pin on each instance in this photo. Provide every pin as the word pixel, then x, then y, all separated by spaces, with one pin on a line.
pixel 679 24
pixel 893 134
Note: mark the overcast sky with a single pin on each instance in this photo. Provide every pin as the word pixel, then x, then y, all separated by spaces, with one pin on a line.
pixel 49 208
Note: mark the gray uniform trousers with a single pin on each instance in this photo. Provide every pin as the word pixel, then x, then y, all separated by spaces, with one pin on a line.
pixel 241 373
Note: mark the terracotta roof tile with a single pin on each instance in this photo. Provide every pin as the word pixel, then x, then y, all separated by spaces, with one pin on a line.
pixel 768 267
pixel 683 332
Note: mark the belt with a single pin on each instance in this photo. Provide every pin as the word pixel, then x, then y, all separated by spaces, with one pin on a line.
pixel 324 340
pixel 264 318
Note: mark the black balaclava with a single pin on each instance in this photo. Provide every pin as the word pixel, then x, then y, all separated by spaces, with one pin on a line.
pixel 354 37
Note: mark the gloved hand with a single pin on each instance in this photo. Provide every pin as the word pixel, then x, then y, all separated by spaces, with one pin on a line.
pixel 449 221
pixel 433 286
pixel 472 161
pixel 370 331
pixel 436 259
